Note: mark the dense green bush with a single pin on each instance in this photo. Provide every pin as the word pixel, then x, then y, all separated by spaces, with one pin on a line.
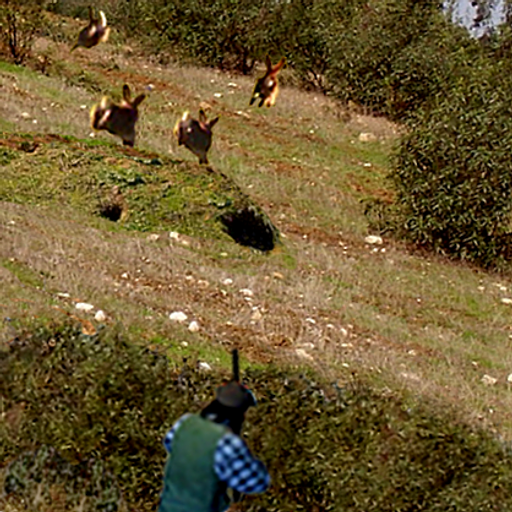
pixel 453 172
pixel 102 399
pixel 223 33
pixel 308 33
pixel 395 57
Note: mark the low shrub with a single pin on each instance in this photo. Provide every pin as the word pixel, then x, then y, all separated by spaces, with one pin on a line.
pixel 327 448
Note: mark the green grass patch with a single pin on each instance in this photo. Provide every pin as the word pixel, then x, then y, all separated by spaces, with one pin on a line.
pixel 25 274
pixel 7 67
pixel 152 194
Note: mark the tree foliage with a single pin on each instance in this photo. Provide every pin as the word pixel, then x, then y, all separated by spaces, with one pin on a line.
pixel 453 172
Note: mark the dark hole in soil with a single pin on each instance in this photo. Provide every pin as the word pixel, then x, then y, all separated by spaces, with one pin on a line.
pixel 111 211
pixel 250 227
pixel 28 146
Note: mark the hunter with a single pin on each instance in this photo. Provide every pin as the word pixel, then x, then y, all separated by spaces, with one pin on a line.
pixel 207 456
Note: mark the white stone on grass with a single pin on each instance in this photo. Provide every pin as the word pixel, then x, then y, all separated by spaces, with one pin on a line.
pixel 246 292
pixel 506 300
pixel 193 326
pixel 367 137
pixel 178 316
pixel 373 239
pixel 205 366
pixel 84 306
pixel 100 316
pixel 488 380
pixel 302 353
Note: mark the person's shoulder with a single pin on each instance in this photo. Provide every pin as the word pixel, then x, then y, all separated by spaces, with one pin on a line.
pixel 172 431
pixel 231 443
pixel 181 419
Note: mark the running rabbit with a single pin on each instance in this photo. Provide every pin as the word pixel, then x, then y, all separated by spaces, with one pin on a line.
pixel 267 87
pixel 195 135
pixel 96 32
pixel 118 119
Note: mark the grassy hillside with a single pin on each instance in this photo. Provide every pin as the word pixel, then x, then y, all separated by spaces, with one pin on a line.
pixel 325 301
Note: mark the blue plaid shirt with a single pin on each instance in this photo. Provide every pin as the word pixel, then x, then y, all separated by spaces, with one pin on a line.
pixel 233 462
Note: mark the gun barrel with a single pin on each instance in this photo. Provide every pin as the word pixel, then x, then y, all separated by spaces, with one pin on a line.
pixel 236 368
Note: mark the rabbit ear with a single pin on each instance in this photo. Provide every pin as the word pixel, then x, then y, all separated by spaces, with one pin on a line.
pixel 138 100
pixel 202 116
pixel 278 66
pixel 91 14
pixel 126 92
pixel 213 122
pixel 268 63
pixel 103 19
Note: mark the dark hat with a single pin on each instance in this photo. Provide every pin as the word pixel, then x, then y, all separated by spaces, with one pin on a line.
pixel 234 394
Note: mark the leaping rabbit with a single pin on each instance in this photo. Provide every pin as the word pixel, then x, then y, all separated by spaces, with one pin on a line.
pixel 267 87
pixel 96 32
pixel 195 135
pixel 118 119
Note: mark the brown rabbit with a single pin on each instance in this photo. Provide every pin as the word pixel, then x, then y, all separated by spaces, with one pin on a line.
pixel 267 88
pixel 96 32
pixel 118 119
pixel 195 134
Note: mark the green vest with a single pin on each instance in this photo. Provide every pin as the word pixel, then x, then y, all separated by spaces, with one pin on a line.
pixel 190 482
